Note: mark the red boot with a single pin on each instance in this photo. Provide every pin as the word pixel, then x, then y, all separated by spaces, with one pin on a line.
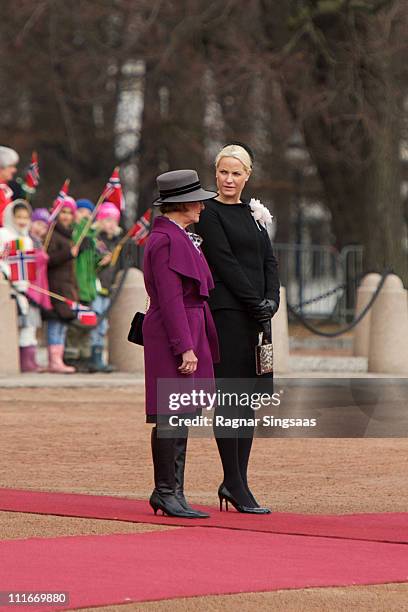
pixel 27 359
pixel 32 353
pixel 56 364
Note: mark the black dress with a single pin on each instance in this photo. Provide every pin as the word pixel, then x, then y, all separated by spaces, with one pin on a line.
pixel 245 271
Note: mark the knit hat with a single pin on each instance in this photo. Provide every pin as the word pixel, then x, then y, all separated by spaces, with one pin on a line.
pixel 8 157
pixel 40 214
pixel 84 203
pixel 108 209
pixel 68 203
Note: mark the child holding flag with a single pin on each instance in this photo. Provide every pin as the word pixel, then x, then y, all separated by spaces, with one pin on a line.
pixel 18 265
pixel 37 293
pixel 111 243
pixel 39 227
pixel 109 235
pixel 78 341
pixel 61 279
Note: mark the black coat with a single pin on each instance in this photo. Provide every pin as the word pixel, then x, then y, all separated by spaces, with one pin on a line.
pixel 240 256
pixel 245 272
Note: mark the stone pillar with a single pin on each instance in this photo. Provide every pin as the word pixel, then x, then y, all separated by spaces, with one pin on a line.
pixel 280 335
pixel 362 330
pixel 9 351
pixel 124 355
pixel 388 349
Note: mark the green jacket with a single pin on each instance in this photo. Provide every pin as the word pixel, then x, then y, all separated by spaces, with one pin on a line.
pixel 86 263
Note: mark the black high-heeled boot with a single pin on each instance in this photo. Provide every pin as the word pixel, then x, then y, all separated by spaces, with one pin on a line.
pixel 225 495
pixel 163 497
pixel 180 461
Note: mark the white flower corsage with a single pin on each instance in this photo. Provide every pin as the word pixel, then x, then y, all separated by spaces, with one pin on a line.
pixel 260 213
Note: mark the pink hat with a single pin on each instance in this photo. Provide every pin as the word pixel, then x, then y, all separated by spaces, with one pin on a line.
pixel 106 210
pixel 68 203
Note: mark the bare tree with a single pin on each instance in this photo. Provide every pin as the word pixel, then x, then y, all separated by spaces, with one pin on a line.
pixel 345 80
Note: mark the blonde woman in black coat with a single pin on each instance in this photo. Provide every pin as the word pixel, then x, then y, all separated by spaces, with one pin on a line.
pixel 246 296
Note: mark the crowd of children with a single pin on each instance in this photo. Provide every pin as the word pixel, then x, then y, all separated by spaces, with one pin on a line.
pixel 75 266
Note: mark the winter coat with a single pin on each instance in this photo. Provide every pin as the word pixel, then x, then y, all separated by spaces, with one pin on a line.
pixel 240 256
pixel 106 274
pixel 10 232
pixel 245 270
pixel 6 195
pixel 178 281
pixel 41 280
pixel 61 274
pixel 86 263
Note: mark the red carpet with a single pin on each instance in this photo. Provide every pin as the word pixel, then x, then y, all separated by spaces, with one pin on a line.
pixel 103 570
pixel 385 527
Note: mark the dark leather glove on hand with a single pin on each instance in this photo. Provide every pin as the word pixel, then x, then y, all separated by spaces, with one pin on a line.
pixel 274 306
pixel 264 310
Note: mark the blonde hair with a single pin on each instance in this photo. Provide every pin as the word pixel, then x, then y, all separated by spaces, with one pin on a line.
pixel 237 152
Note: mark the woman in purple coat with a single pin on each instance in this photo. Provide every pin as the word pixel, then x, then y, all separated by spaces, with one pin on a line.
pixel 179 335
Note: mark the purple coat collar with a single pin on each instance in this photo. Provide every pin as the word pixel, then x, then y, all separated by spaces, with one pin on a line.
pixel 184 257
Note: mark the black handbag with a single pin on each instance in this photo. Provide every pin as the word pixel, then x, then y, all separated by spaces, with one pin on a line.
pixel 135 334
pixel 264 352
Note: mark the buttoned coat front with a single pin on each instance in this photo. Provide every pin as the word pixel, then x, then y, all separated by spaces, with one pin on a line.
pixel 178 282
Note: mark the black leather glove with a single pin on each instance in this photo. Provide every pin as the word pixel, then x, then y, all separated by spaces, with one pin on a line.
pixel 264 311
pixel 274 306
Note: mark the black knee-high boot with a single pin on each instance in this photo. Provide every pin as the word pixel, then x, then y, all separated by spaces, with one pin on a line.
pixel 164 495
pixel 180 462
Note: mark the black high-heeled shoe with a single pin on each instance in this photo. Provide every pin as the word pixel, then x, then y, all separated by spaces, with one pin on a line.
pixel 224 494
pixel 169 505
pixel 267 510
pixel 252 498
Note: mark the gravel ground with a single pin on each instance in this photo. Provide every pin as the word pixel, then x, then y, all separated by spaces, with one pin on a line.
pixel 96 441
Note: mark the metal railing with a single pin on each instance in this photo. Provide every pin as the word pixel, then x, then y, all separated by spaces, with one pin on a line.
pixel 316 271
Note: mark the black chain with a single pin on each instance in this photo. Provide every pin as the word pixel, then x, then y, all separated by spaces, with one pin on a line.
pixel 362 314
pixel 319 297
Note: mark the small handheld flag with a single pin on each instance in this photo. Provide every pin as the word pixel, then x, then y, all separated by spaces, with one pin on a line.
pixel 85 315
pixel 32 177
pixel 140 231
pixel 59 200
pixel 22 266
pixel 113 191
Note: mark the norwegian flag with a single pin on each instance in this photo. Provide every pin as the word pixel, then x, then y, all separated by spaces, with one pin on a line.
pixel 59 201
pixel 140 231
pixel 22 266
pixel 113 191
pixel 32 177
pixel 85 315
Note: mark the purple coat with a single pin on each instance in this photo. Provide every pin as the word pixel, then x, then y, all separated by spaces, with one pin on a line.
pixel 178 281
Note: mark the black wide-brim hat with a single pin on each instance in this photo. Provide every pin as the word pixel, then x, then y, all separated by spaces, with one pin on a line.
pixel 181 186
